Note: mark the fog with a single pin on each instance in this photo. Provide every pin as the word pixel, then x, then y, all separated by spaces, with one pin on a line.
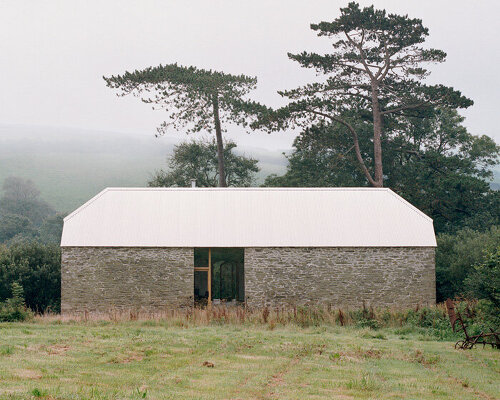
pixel 54 54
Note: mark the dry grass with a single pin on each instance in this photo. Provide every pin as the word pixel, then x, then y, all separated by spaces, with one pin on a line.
pixel 277 316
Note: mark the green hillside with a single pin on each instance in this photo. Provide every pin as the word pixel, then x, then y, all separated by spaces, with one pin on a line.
pixel 70 166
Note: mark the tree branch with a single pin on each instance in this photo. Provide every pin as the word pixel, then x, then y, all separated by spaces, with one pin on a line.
pixel 361 54
pixel 355 140
pixel 387 64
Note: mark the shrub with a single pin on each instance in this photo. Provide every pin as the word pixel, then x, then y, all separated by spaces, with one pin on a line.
pixel 434 320
pixel 487 317
pixel 368 323
pixel 14 309
pixel 456 256
pixel 484 284
pixel 37 268
pixel 365 318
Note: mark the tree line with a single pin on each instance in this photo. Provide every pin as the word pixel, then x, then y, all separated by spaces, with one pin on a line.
pixel 25 216
pixel 30 259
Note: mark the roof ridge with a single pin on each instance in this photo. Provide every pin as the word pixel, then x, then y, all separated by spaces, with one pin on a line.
pixel 410 206
pixel 309 189
pixel 275 189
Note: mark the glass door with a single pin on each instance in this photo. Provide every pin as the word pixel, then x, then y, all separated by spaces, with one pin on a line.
pixel 219 275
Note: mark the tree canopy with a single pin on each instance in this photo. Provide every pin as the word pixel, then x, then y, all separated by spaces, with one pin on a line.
pixel 436 164
pixel 195 99
pixel 372 81
pixel 197 159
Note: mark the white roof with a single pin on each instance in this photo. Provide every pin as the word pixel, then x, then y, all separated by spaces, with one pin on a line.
pixel 247 217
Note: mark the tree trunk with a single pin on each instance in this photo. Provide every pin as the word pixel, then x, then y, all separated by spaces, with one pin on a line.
pixel 377 138
pixel 220 144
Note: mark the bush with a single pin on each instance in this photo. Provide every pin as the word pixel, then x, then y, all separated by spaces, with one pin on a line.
pixel 37 268
pixel 484 283
pixel 487 317
pixel 14 309
pixel 434 320
pixel 365 318
pixel 456 256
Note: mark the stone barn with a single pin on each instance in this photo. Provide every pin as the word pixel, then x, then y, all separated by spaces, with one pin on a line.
pixel 150 249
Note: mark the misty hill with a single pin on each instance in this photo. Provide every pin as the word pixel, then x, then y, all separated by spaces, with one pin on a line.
pixel 70 165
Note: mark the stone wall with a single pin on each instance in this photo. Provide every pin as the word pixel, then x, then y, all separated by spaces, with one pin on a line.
pixel 147 279
pixel 151 279
pixel 384 276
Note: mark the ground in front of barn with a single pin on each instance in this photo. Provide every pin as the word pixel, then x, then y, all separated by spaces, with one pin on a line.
pixel 53 359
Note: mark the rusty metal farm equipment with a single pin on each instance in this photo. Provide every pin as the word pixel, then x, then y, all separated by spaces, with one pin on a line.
pixel 489 338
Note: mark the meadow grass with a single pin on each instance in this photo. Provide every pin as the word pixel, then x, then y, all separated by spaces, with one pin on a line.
pixel 57 358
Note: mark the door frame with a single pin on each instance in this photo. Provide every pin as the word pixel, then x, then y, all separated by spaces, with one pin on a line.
pixel 208 270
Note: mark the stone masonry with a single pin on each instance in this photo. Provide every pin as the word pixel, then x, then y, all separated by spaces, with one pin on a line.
pixel 380 276
pixel 98 279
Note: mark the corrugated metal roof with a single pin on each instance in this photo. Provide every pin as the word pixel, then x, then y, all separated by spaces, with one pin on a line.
pixel 247 217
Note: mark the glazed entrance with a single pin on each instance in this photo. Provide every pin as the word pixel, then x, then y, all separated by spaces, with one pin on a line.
pixel 219 275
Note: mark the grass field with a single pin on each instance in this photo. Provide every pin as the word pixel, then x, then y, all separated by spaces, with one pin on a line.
pixel 51 359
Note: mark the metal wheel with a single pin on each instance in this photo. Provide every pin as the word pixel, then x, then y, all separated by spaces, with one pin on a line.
pixel 460 345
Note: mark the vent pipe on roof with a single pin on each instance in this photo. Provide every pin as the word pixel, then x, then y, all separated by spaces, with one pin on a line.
pixel 193 183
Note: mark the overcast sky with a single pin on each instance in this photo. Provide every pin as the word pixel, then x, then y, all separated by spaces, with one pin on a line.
pixel 54 54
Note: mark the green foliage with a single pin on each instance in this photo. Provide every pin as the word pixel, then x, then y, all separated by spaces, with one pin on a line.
pixel 434 163
pixel 17 299
pixel 13 309
pixel 186 93
pixel 484 283
pixel 435 321
pixel 487 316
pixel 140 393
pixel 322 157
pixel 367 323
pixel 195 99
pixel 373 46
pixel 15 226
pixel 26 217
pixel 37 268
pixel 51 229
pixel 373 80
pixel 457 255
pixel 428 322
pixel 444 170
pixel 198 160
pixel 39 393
